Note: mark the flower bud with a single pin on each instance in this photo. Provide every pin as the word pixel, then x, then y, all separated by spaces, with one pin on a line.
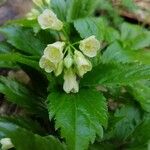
pixel 54 52
pixel 59 68
pixel 70 83
pixel 33 14
pixel 68 61
pixel 83 65
pixel 46 64
pixel 90 46
pixel 48 19
pixel 39 3
pixel 6 143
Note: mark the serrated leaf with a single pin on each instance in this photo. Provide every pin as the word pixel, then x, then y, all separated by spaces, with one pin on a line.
pixel 60 8
pixel 141 93
pixel 80 116
pixel 141 136
pixel 87 27
pixel 16 93
pixel 96 26
pixel 87 7
pixel 116 53
pixel 134 36
pixel 116 74
pixel 130 118
pixel 23 39
pixel 26 140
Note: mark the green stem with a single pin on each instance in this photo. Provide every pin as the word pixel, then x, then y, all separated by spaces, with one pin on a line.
pixel 76 43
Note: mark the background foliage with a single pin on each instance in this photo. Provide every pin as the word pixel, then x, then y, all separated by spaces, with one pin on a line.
pixel 110 112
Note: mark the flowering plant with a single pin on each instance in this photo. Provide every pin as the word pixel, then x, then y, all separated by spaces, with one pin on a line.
pixel 84 79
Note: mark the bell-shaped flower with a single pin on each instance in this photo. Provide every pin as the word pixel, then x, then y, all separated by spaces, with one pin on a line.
pixel 83 65
pixel 68 61
pixel 54 52
pixel 70 82
pixel 46 64
pixel 49 20
pixel 90 46
pixel 6 143
pixel 59 68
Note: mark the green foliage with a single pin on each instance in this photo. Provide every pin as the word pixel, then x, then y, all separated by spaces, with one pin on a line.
pixel 141 93
pixel 96 26
pixel 106 74
pixel 30 140
pixel 22 39
pixel 115 52
pixel 21 95
pixel 80 116
pixel 87 7
pixel 111 109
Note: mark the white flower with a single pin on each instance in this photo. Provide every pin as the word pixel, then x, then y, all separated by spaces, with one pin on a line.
pixel 90 46
pixel 6 143
pixel 83 65
pixel 54 52
pixel 39 3
pixel 46 64
pixel 70 83
pixel 48 19
pixel 59 68
pixel 68 61
pixel 33 14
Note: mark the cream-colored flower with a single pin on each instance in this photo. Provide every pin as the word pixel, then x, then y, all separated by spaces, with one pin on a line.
pixel 83 65
pixel 48 19
pixel 59 68
pixel 6 143
pixel 33 14
pixel 46 64
pixel 54 52
pixel 68 61
pixel 90 46
pixel 70 83
pixel 39 3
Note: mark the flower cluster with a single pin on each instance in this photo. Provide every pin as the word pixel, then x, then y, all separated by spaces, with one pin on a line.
pixel 62 57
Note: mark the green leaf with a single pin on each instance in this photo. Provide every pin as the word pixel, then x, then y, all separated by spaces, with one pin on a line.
pixel 116 74
pixel 5 47
pixel 80 8
pixel 26 140
pixel 141 93
pixel 24 122
pixel 116 53
pixel 96 26
pixel 141 136
pixel 80 116
pixel 60 8
pixel 87 27
pixel 16 93
pixel 18 58
pixel 23 39
pixel 130 118
pixel 134 36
